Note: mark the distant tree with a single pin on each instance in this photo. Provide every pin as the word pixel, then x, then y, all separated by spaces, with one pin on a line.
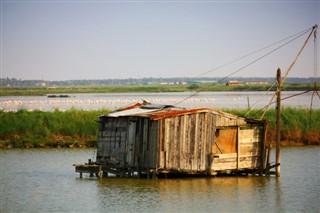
pixel 193 87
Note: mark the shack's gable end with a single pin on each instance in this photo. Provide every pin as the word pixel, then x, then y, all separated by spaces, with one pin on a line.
pixel 127 142
pixel 112 141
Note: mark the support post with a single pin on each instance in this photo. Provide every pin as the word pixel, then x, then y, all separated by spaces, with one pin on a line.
pixel 100 172
pixel 263 149
pixel 278 126
pixel 238 148
pixel 268 161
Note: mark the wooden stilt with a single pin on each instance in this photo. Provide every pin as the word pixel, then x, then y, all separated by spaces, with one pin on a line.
pixel 263 149
pixel 100 172
pixel 104 174
pixel 278 131
pixel 268 161
pixel 154 175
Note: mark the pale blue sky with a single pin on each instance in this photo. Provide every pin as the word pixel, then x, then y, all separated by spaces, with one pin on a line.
pixel 64 40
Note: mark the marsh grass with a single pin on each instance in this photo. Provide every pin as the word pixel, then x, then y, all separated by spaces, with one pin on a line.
pixel 79 128
pixel 54 129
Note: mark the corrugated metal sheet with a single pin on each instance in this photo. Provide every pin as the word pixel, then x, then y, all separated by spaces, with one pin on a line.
pixel 139 110
pixel 156 112
pixel 131 112
pixel 170 113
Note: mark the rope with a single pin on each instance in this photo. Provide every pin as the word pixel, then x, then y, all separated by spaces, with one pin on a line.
pixel 294 61
pixel 274 83
pixel 254 52
pixel 291 96
pixel 315 66
pixel 290 67
pixel 247 65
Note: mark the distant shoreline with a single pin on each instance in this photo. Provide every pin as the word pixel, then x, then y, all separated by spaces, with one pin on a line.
pixel 45 91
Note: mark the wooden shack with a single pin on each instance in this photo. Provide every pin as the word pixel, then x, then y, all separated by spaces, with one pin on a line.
pixel 147 139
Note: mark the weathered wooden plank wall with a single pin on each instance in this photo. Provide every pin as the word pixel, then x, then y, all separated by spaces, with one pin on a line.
pixel 112 141
pixel 185 141
pixel 149 144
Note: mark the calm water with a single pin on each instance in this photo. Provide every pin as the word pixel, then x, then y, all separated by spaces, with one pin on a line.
pixel 115 100
pixel 43 180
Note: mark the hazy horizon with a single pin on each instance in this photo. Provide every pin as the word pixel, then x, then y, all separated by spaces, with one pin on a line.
pixel 73 40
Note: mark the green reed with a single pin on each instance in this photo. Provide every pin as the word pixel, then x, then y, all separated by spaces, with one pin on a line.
pixel 48 127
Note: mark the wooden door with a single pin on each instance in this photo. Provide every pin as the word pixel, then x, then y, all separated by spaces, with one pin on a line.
pixel 226 141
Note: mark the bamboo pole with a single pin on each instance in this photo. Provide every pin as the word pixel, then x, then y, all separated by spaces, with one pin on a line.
pixel 278 123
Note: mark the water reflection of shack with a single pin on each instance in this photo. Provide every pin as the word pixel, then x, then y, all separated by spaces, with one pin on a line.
pixel 146 139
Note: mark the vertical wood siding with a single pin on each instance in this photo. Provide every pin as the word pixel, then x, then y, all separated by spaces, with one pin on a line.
pixel 186 141
pixel 112 141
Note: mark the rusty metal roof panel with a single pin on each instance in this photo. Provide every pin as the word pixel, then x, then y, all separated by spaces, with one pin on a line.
pixel 170 113
pixel 175 112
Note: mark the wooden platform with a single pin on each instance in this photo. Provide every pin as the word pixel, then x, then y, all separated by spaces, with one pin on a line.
pixel 89 168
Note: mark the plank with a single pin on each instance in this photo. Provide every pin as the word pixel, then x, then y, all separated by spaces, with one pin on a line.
pixel 245 140
pixel 229 155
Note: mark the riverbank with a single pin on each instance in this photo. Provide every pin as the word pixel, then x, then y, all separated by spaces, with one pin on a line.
pixel 79 128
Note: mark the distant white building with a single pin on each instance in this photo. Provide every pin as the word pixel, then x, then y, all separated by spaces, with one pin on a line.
pixel 41 84
pixel 257 82
pixel 241 83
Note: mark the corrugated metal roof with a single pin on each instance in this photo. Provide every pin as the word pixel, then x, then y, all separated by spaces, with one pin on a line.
pixel 131 112
pixel 156 106
pixel 156 112
pixel 145 110
pixel 170 113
